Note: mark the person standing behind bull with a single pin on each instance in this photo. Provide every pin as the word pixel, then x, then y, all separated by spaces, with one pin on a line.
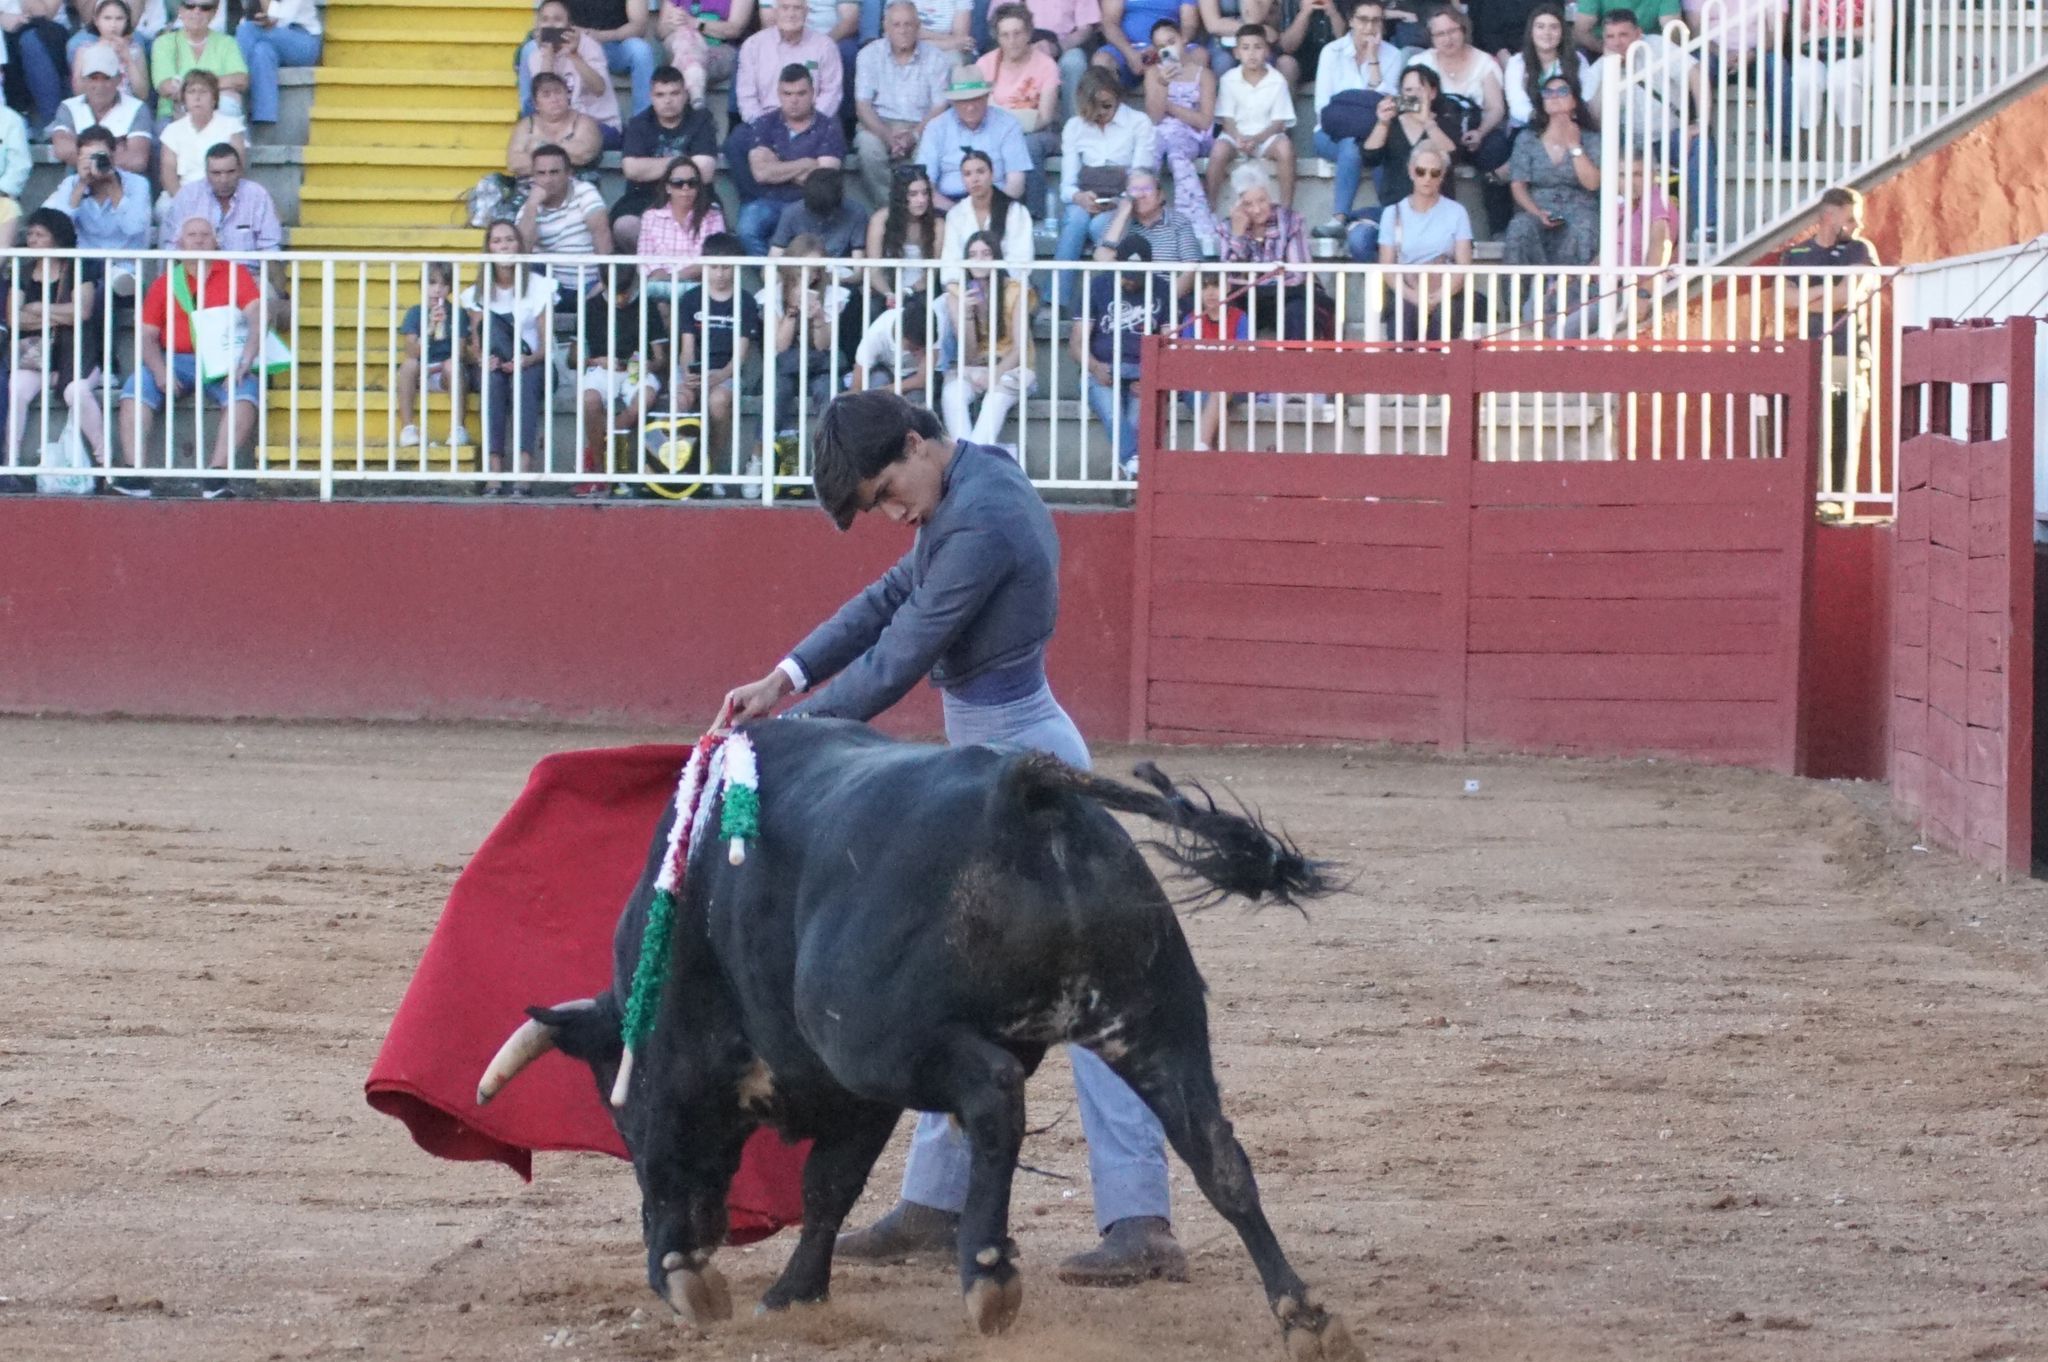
pixel 973 605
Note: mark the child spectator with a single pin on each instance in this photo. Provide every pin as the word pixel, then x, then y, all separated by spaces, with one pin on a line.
pixel 716 328
pixel 1255 111
pixel 895 350
pixel 434 333
pixel 619 372
pixel 991 328
pixel 1180 99
pixel 113 32
pixel 1214 320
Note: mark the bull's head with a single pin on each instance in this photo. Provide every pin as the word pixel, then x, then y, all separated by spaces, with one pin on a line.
pixel 581 1029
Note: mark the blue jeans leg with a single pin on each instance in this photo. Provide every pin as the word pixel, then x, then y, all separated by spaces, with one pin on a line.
pixel 46 83
pixel 757 223
pixel 525 77
pixel 1350 169
pixel 1126 1145
pixel 1074 227
pixel 1116 407
pixel 870 20
pixel 264 50
pixel 634 55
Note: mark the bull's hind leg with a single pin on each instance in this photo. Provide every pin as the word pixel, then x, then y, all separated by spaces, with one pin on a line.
pixel 834 1173
pixel 1177 1082
pixel 983 1085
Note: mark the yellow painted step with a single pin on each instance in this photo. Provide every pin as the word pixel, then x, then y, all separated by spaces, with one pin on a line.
pixel 455 240
pixel 437 17
pixel 437 458
pixel 391 50
pixel 406 129
pixel 486 93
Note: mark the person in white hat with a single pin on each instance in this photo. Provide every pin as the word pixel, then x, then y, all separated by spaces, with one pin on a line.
pixel 970 124
pixel 105 102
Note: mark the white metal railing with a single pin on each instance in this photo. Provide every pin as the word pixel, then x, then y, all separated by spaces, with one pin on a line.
pixel 1785 105
pixel 332 418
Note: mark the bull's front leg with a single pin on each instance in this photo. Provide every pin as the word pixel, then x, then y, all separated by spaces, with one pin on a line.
pixel 985 1084
pixel 835 1171
pixel 683 1218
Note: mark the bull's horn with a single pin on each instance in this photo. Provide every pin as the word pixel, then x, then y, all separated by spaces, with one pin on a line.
pixel 532 1040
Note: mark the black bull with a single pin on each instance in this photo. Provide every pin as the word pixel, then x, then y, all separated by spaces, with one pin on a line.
pixel 912 929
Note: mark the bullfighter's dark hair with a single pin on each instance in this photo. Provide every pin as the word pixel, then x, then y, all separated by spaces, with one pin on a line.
pixel 859 435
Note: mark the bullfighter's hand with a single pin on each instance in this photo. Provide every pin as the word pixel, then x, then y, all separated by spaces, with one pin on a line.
pixel 755 700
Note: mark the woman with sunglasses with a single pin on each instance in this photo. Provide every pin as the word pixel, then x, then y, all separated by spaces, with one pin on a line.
pixel 672 234
pixel 911 229
pixel 195 45
pixel 1555 177
pixel 1428 228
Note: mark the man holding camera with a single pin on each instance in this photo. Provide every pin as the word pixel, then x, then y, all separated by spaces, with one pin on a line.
pixel 111 207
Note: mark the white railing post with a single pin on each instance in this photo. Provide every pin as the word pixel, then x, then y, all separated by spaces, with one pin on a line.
pixel 326 380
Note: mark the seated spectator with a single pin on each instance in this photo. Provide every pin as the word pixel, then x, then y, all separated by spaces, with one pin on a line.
pixel 824 216
pixel 196 45
pixel 991 338
pixel 553 123
pixel 1364 69
pixel 1668 106
pixel 1254 115
pixel 1167 231
pixel 969 122
pixel 910 228
pixel 1264 232
pixel 787 147
pixel 434 339
pixel 621 367
pixel 58 327
pixel 985 209
pixel 899 86
pixel 187 140
pixel 36 60
pixel 947 25
pixel 169 367
pixel 1428 228
pixel 506 339
pixel 1213 320
pixel 1546 53
pixel 1224 21
pixel 1420 117
pixel 564 217
pixel 560 48
pixel 112 30
pixel 1655 17
pixel 807 308
pixel 1648 223
pixel 1127 36
pixel 109 206
pixel 1106 341
pixel 1555 174
pixel 1100 147
pixel 1471 80
pixel 1833 56
pixel 1026 85
pixel 238 212
pixel 617 41
pixel 1751 38
pixel 896 349
pixel 838 20
pixel 672 234
pixel 669 127
pixel 1180 99
pixel 274 34
pixel 718 326
pixel 703 39
pixel 1067 32
pixel 104 103
pixel 766 57
pixel 15 165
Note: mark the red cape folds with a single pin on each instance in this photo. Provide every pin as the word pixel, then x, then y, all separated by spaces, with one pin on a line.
pixel 530 921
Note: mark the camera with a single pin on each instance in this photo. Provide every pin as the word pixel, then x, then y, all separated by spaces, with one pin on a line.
pixel 100 161
pixel 1409 104
pixel 1169 55
pixel 551 36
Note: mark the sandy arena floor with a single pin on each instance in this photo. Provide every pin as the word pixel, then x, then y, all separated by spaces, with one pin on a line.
pixel 1603 1061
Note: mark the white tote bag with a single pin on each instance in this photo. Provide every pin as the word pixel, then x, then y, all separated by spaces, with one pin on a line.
pixel 61 457
pixel 220 333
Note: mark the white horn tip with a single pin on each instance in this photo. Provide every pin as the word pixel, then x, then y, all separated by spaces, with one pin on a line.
pixel 737 855
pixel 624 1080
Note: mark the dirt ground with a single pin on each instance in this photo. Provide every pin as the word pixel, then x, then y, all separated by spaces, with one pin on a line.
pixel 1605 1060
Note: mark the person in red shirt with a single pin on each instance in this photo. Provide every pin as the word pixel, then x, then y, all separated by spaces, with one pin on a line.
pixel 1221 321
pixel 170 367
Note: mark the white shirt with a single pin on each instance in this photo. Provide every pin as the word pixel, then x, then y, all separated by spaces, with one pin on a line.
pixel 120 119
pixel 962 222
pixel 1657 105
pixel 191 145
pixel 1522 110
pixel 877 350
pixel 1478 72
pixel 1258 109
pixel 528 305
pixel 1129 141
pixel 1339 69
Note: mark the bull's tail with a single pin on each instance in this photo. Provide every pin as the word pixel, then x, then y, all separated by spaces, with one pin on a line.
pixel 1232 853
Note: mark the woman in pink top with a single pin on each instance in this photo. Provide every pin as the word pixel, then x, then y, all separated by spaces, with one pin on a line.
pixel 1648 229
pixel 579 59
pixel 1027 86
pixel 672 234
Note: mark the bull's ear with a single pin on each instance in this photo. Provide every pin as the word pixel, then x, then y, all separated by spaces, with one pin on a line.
pixel 587 1033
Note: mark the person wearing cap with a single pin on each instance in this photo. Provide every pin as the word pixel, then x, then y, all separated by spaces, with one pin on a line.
pixel 1107 337
pixel 970 124
pixel 899 85
pixel 105 102
pixel 972 606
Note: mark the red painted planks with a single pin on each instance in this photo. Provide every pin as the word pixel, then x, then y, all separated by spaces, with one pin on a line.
pixel 1281 713
pixel 1303 666
pixel 1948 635
pixel 1618 676
pixel 1984 702
pixel 1625 528
pixel 1909 671
pixel 1650 574
pixel 1984 756
pixel 1193 515
pixel 1702 729
pixel 1289 614
pixel 1947 688
pixel 1639 482
pixel 1626 627
pixel 1340 477
pixel 1389 567
pixel 1948 519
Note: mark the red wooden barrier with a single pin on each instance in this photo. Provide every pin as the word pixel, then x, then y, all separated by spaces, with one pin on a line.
pixel 1963 608
pixel 1587 607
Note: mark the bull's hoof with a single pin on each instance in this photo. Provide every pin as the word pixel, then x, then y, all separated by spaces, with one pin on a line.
pixel 699 1295
pixel 992 1306
pixel 1314 1334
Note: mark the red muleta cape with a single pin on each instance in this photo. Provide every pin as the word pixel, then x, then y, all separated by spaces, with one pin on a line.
pixel 530 920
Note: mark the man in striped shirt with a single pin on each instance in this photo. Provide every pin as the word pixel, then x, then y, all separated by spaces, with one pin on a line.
pixel 564 216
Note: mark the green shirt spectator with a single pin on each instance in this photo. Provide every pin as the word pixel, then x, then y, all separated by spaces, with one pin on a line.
pixel 193 46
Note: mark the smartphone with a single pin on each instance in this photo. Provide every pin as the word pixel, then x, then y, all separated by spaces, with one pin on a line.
pixel 552 37
pixel 1169 55
pixel 1408 104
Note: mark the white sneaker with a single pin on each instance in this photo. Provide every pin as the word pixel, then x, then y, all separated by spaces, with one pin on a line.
pixel 409 438
pixel 459 436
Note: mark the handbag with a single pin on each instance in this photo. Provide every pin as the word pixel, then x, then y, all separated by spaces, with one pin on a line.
pixel 63 454
pixel 220 334
pixel 1104 182
pixel 1351 113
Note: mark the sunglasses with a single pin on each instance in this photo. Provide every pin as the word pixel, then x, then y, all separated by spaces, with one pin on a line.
pixel 684 184
pixel 194 4
pixel 1425 174
pixel 1557 91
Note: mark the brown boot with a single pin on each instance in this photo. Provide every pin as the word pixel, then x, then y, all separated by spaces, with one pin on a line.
pixel 909 1230
pixel 1136 1249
